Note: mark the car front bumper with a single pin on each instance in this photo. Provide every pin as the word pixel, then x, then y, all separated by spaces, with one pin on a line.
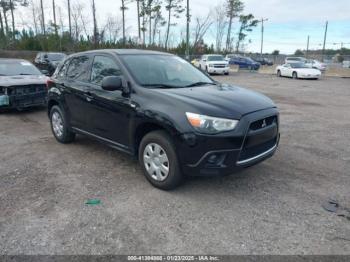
pixel 309 76
pixel 226 153
pixel 23 96
pixel 218 70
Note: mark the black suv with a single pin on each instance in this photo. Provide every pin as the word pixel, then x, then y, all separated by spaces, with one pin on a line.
pixel 158 107
pixel 48 62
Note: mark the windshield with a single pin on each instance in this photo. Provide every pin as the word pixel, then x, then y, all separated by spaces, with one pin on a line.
pixel 298 65
pixel 163 71
pixel 56 57
pixel 13 68
pixel 249 59
pixel 215 58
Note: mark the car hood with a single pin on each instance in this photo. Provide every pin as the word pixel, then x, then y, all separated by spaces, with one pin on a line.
pixel 219 101
pixel 310 71
pixel 19 80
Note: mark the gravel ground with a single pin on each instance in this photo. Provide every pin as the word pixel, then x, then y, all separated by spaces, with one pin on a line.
pixel 272 208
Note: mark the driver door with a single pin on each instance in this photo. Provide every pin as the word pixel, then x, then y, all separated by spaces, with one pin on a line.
pixel 285 70
pixel 109 112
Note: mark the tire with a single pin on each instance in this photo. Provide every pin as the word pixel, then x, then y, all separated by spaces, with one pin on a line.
pixel 226 74
pixel 154 167
pixel 279 73
pixel 295 75
pixel 59 126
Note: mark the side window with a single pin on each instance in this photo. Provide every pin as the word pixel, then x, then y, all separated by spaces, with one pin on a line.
pixel 62 71
pixel 77 68
pixel 103 66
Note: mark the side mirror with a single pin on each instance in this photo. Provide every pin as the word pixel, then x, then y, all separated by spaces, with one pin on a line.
pixel 204 60
pixel 112 83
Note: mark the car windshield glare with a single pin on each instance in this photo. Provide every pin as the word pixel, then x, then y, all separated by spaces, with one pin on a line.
pixel 215 58
pixel 298 65
pixel 13 68
pixel 163 71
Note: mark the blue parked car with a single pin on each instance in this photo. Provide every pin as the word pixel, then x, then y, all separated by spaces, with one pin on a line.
pixel 244 62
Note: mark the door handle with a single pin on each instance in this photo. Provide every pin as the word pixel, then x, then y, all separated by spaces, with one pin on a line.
pixel 88 96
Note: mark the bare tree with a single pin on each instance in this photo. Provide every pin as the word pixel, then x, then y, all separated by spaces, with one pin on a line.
pixel 233 9
pixel 5 5
pixel 54 16
pixel 112 28
pixel 220 26
pixel 202 26
pixel 96 37
pixel 42 17
pixel 174 9
pixel 138 19
pixel 35 19
pixel 69 18
pixel 77 12
pixel 2 33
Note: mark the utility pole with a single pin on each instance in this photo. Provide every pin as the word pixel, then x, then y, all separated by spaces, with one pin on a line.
pixel 307 46
pixel 69 20
pixel 42 17
pixel 324 41
pixel 262 34
pixel 188 31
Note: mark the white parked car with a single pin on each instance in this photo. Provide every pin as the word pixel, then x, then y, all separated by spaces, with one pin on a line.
pixel 316 64
pixel 346 64
pixel 290 60
pixel 298 70
pixel 214 64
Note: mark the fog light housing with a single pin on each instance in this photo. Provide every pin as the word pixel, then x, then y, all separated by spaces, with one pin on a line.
pixel 215 160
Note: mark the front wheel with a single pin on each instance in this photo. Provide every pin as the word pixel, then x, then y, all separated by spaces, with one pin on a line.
pixel 295 75
pixel 279 73
pixel 60 127
pixel 159 161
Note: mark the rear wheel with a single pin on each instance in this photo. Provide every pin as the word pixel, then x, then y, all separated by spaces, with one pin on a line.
pixel 295 75
pixel 159 161
pixel 60 127
pixel 279 73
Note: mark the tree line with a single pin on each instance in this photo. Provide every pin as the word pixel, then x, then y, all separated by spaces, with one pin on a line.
pixel 74 26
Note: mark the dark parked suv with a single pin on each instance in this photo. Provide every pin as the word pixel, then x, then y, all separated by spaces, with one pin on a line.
pixel 158 107
pixel 48 62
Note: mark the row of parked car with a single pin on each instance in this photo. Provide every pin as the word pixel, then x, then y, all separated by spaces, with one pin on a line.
pixel 154 106
pixel 219 64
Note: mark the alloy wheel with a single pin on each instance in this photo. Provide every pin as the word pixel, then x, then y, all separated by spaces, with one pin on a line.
pixel 57 124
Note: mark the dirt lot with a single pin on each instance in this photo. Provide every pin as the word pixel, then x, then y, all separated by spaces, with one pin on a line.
pixel 272 208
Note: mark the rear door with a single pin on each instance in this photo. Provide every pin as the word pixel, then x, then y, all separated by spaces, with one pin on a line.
pixel 110 111
pixel 74 86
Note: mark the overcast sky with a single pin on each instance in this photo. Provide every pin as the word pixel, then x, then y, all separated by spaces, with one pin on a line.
pixel 289 24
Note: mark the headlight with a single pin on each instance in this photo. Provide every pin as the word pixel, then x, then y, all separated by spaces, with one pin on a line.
pixel 211 65
pixel 210 125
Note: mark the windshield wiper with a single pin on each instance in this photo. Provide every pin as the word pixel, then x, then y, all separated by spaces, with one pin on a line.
pixel 160 86
pixel 200 84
